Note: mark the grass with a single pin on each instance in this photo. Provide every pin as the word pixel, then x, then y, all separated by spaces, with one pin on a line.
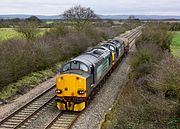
pixel 136 108
pixel 50 22
pixel 28 82
pixel 175 47
pixel 9 33
pixel 43 50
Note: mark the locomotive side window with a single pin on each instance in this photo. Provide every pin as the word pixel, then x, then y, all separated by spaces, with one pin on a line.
pixel 83 67
pixel 75 65
pixel 66 67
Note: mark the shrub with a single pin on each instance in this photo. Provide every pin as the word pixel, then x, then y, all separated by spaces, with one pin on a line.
pixel 20 57
pixel 166 77
pixel 59 30
pixel 142 61
pixel 29 30
pixel 135 108
pixel 156 33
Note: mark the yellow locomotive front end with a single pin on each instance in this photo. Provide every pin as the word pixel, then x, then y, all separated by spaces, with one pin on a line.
pixel 71 92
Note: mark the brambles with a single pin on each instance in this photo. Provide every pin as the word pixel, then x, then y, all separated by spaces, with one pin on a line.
pixel 136 108
pixel 152 66
pixel 151 98
pixel 156 33
pixel 166 77
pixel 146 53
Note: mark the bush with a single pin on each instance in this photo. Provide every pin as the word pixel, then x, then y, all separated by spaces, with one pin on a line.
pixel 59 30
pixel 143 60
pixel 20 57
pixel 29 30
pixel 136 108
pixel 157 34
pixel 166 77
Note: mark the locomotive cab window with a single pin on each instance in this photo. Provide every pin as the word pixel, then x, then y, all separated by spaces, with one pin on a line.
pixel 74 65
pixel 66 67
pixel 83 67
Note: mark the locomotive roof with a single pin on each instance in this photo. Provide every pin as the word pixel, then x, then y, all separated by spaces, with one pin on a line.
pixel 93 56
pixel 116 42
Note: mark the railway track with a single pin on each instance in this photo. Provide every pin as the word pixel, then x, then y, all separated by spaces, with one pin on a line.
pixel 133 36
pixel 21 117
pixel 64 120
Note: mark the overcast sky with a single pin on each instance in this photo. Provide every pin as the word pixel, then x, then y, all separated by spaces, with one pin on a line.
pixel 56 7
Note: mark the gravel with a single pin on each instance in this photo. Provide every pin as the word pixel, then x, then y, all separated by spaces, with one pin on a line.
pixel 95 113
pixel 92 116
pixel 45 117
pixel 7 109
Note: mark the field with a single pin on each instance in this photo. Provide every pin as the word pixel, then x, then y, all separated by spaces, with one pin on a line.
pixel 9 33
pixel 175 47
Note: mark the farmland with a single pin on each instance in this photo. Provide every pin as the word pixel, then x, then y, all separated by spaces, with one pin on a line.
pixel 175 47
pixel 9 33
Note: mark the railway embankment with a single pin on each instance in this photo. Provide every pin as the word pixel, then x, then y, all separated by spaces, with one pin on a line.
pixel 151 97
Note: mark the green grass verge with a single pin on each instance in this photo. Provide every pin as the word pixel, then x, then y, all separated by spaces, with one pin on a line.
pixel 175 47
pixel 29 81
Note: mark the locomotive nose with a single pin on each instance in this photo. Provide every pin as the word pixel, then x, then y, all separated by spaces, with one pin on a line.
pixel 70 85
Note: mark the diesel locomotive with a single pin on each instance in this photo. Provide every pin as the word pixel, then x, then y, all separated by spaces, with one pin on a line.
pixel 80 77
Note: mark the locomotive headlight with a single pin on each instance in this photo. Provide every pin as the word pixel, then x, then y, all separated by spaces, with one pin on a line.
pixel 58 91
pixel 81 92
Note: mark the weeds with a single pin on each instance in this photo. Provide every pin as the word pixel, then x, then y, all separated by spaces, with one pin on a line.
pixel 135 108
pixel 166 77
pixel 142 61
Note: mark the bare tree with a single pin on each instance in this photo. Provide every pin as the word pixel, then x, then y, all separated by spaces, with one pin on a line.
pixel 79 16
pixel 29 30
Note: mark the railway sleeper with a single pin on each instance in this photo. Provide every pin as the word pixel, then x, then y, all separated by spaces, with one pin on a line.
pixel 6 126
pixel 14 120
pixel 61 125
pixel 63 122
pixel 66 120
pixel 11 123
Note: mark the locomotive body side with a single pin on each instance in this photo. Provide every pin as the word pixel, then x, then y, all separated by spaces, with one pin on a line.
pixel 75 86
pixel 79 78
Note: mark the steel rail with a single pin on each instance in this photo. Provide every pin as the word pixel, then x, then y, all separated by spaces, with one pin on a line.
pixel 27 111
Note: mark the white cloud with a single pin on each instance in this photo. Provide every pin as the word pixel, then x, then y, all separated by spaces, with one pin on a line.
pixel 55 7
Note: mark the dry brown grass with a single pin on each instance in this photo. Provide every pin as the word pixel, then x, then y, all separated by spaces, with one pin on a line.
pixel 139 109
pixel 166 77
pixel 150 100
